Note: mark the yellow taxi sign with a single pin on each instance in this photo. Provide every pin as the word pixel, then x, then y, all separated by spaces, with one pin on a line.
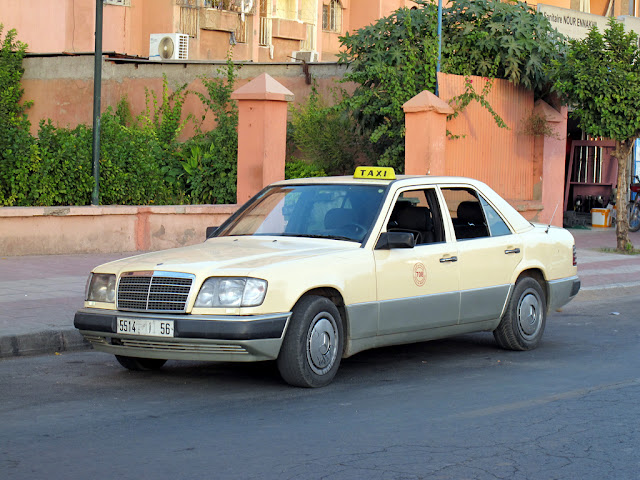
pixel 377 173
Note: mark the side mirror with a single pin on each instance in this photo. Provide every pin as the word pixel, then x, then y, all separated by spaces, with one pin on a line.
pixel 389 240
pixel 211 232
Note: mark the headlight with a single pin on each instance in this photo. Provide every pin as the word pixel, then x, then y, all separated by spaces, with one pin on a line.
pixel 231 292
pixel 101 287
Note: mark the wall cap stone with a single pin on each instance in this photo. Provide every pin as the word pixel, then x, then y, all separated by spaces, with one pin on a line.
pixel 426 101
pixel 263 87
pixel 26 212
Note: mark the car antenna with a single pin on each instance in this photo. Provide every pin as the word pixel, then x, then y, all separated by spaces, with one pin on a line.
pixel 551 220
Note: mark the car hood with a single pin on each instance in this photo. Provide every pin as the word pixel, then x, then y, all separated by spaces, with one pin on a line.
pixel 229 255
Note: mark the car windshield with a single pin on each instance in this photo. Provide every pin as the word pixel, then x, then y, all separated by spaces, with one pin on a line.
pixel 336 211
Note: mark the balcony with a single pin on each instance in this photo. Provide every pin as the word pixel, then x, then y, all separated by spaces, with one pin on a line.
pixel 223 20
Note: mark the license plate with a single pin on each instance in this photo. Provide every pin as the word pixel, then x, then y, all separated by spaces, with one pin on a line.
pixel 144 326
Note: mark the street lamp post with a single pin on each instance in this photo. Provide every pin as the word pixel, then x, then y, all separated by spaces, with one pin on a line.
pixel 97 88
pixel 439 42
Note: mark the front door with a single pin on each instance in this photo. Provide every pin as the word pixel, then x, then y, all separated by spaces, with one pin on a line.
pixel 417 288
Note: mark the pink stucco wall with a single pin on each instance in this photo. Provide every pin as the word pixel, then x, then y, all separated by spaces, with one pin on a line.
pixel 105 229
pixel 69 25
pixel 62 87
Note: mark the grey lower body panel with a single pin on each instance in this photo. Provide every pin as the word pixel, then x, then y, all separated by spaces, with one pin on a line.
pixel 354 346
pixel 417 313
pixel 561 291
pixel 422 318
pixel 212 338
pixel 483 303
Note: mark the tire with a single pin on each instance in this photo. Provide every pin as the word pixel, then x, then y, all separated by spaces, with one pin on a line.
pixel 634 217
pixel 140 364
pixel 523 323
pixel 313 345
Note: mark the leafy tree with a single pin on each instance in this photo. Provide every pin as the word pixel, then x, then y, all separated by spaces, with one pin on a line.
pixel 600 78
pixel 395 59
pixel 391 61
pixel 500 39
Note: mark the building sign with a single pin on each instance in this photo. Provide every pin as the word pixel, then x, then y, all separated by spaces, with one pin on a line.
pixel 571 23
pixel 576 25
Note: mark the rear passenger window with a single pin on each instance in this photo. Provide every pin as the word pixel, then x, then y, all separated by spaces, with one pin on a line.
pixel 466 213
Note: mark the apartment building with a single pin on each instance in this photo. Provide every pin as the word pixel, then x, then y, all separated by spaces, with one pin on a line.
pixel 255 30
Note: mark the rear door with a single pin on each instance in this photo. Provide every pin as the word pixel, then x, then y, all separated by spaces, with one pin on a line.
pixel 488 253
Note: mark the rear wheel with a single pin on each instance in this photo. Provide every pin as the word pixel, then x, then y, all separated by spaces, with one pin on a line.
pixel 140 364
pixel 312 347
pixel 634 217
pixel 523 323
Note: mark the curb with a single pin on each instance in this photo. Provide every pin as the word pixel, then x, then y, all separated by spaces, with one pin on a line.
pixel 42 343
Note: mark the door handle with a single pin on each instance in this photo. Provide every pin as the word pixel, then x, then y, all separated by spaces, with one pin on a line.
pixel 448 259
pixel 513 250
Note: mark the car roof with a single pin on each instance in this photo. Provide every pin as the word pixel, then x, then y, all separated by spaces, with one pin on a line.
pixel 403 179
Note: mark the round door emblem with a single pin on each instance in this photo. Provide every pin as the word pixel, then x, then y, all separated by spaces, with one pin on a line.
pixel 419 274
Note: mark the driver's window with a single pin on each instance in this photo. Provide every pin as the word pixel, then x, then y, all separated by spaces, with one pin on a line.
pixel 418 212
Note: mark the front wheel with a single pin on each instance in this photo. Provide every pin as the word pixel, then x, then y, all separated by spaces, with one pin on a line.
pixel 634 217
pixel 312 347
pixel 140 364
pixel 523 323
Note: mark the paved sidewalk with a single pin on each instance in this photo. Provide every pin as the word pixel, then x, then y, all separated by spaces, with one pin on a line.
pixel 40 294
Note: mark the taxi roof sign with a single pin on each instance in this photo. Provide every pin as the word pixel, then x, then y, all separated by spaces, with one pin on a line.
pixel 376 173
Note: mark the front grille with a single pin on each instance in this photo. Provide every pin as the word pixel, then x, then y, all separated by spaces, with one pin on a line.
pixel 185 347
pixel 154 291
pixel 168 346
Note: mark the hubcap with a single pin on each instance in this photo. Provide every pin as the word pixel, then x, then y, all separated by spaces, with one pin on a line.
pixel 529 314
pixel 322 343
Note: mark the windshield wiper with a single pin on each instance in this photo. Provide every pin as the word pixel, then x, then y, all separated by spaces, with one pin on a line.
pixel 330 237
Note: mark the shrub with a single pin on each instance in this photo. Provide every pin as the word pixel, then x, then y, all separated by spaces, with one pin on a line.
pixel 210 160
pixel 62 173
pixel 326 136
pixel 16 143
pixel 302 169
pixel 131 165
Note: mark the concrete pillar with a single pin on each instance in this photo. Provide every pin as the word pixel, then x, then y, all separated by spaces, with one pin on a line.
pixel 549 163
pixel 426 134
pixel 262 134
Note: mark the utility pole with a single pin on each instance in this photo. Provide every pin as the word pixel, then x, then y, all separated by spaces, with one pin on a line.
pixel 97 95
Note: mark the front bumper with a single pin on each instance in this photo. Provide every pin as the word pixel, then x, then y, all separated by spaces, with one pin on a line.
pixel 196 337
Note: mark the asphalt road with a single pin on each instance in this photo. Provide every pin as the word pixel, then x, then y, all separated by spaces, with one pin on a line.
pixel 454 409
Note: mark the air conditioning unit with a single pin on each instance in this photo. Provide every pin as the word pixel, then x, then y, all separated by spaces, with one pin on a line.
pixel 307 56
pixel 168 46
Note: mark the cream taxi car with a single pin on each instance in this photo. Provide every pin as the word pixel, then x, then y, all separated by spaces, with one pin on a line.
pixel 311 271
